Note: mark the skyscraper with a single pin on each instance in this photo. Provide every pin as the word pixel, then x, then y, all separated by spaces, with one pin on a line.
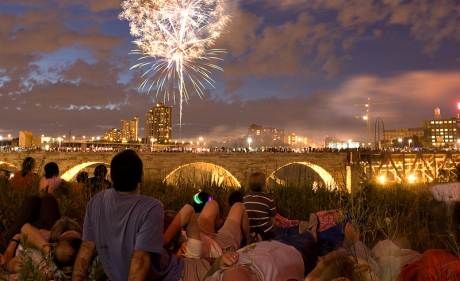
pixel 130 130
pixel 158 124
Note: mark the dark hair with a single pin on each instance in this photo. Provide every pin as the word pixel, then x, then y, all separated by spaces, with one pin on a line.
pixel 27 166
pixel 82 177
pixel 257 182
pixel 126 170
pixel 235 197
pixel 100 171
pixel 51 170
pixel 203 198
pixel 67 260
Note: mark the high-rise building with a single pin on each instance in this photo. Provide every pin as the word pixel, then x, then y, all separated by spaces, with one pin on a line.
pixel 158 124
pixel 130 130
pixel 265 136
pixel 112 135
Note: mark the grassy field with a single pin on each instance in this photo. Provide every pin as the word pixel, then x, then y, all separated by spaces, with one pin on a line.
pixel 399 212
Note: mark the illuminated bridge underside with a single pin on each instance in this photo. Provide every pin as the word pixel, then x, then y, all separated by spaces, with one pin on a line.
pixel 230 169
pixel 325 176
pixel 422 168
pixel 7 166
pixel 202 173
pixel 73 172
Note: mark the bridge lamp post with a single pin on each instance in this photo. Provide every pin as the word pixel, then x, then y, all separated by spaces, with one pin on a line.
pixel 250 141
pixel 152 140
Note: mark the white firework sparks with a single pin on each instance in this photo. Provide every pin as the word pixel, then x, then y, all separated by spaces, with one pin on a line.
pixel 175 40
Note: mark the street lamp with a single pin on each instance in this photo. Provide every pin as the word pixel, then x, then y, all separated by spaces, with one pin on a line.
pixel 410 142
pixel 249 140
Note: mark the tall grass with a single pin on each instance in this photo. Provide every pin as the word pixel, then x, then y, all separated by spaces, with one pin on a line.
pixel 398 212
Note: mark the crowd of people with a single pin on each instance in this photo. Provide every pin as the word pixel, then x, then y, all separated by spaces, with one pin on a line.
pixel 132 237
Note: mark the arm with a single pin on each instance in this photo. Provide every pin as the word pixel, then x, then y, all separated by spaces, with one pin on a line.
pixel 10 250
pixel 140 266
pixel 83 261
pixel 33 237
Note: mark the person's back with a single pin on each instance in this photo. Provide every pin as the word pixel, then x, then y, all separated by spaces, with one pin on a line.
pixel 115 220
pixel 99 181
pixel 127 228
pixel 26 178
pixel 260 206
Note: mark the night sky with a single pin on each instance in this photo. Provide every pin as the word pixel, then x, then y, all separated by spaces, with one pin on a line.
pixel 306 66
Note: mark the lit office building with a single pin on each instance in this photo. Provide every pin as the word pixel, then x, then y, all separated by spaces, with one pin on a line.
pixel 158 124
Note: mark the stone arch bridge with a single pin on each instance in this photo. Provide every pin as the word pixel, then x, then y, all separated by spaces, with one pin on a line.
pixel 331 167
pixel 343 170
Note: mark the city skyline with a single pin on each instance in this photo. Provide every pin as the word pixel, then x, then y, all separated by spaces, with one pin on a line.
pixel 314 64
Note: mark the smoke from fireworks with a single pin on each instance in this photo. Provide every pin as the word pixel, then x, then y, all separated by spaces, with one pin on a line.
pixel 175 40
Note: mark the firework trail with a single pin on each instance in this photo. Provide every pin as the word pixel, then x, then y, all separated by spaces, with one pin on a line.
pixel 175 40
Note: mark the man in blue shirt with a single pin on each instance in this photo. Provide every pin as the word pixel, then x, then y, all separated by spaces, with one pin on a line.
pixel 126 229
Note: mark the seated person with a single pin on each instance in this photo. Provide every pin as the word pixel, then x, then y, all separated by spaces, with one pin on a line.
pixel 126 229
pixel 99 182
pixel 51 180
pixel 26 178
pixel 61 243
pixel 260 208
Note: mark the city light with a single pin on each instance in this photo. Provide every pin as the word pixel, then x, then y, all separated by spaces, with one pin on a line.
pixel 1 137
pixel 400 140
pixel 382 179
pixel 365 118
pixel 458 105
pixel 411 179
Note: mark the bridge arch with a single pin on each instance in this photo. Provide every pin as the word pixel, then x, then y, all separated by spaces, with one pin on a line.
pixel 203 172
pixel 325 176
pixel 8 165
pixel 73 172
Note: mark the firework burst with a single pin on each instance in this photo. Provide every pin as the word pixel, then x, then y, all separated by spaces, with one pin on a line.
pixel 175 40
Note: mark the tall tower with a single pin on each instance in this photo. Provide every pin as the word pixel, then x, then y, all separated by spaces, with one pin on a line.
pixel 130 130
pixel 158 124
pixel 437 113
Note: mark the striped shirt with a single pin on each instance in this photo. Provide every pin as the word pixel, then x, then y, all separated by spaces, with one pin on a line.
pixel 260 208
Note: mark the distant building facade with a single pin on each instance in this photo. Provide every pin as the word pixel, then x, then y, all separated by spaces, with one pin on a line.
pixel 266 136
pixel 158 124
pixel 28 140
pixel 113 135
pixel 130 130
pixel 399 135
pixel 442 132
